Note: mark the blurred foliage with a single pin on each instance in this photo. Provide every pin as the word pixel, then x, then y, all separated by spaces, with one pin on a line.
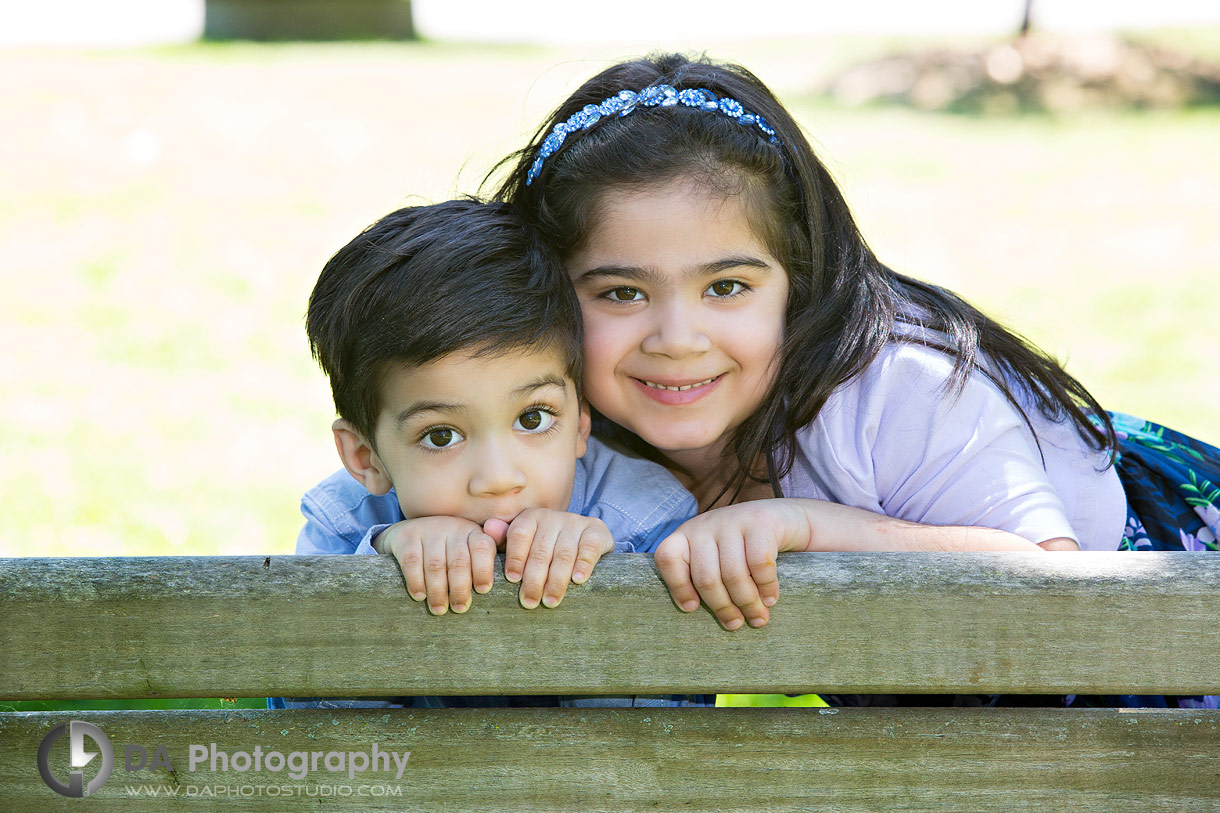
pixel 1035 73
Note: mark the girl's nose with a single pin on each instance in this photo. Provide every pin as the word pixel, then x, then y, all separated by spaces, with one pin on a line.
pixel 495 471
pixel 677 331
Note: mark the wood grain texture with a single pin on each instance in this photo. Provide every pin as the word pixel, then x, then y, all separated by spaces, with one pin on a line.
pixel 658 759
pixel 1140 623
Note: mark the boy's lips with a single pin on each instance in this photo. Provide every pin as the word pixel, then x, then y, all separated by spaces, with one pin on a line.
pixel 676 391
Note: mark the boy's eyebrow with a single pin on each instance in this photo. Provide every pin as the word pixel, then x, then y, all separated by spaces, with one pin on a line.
pixel 650 274
pixel 427 406
pixel 546 380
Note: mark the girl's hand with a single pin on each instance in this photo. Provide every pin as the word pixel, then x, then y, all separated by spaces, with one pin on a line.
pixel 726 557
pixel 441 559
pixel 546 549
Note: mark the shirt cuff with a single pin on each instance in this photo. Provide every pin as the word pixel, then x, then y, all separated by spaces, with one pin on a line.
pixel 366 544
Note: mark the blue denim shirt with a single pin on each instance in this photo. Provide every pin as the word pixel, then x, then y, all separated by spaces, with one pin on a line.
pixel 640 502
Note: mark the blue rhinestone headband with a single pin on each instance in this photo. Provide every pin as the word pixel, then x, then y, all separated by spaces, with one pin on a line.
pixel 626 101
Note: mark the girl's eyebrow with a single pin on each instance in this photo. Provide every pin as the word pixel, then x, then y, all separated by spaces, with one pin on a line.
pixel 651 275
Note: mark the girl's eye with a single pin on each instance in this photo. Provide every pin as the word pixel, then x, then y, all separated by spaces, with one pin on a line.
pixel 440 437
pixel 625 294
pixel 534 420
pixel 726 287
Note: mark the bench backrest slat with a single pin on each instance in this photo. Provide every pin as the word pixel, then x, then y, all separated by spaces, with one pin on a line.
pixel 658 759
pixel 869 623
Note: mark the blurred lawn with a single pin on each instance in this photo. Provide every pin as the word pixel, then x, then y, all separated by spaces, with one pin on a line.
pixel 164 214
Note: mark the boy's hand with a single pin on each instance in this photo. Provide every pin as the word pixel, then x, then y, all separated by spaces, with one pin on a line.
pixel 726 557
pixel 545 549
pixel 441 559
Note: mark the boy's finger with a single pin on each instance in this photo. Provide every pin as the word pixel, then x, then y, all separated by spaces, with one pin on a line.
pixel 737 579
pixel 760 557
pixel 519 538
pixel 594 543
pixel 537 565
pixel 482 561
pixel 672 559
pixel 563 560
pixel 436 576
pixel 410 555
pixel 497 529
pixel 458 574
pixel 705 576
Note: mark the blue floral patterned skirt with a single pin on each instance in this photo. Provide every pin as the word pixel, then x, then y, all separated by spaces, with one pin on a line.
pixel 1173 487
pixel 1173 503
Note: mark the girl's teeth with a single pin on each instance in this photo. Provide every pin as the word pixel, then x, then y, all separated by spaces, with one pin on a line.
pixel 683 387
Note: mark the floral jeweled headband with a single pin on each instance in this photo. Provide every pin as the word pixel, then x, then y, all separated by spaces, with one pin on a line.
pixel 626 101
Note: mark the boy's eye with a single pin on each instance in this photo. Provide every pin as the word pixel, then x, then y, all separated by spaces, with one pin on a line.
pixel 441 437
pixel 534 420
pixel 725 287
pixel 625 294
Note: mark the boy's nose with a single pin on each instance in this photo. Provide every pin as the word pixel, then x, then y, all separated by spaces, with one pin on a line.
pixel 677 332
pixel 496 472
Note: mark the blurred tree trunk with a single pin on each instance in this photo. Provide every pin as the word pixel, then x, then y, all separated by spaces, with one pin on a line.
pixel 308 19
pixel 1026 18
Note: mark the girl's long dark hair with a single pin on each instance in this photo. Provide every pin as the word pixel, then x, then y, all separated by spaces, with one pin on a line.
pixel 844 305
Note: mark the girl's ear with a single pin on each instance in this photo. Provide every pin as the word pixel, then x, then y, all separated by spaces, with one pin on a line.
pixel 359 458
pixel 583 428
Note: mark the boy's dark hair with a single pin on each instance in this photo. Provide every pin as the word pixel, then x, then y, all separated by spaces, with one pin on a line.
pixel 425 281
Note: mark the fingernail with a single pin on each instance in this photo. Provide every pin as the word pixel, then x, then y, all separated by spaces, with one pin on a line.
pixel 690 606
pixel 579 576
pixel 419 596
pixel 482 588
pixel 757 622
pixel 438 609
pixel 513 575
pixel 460 608
pixel 769 601
pixel 550 601
pixel 734 624
pixel 529 603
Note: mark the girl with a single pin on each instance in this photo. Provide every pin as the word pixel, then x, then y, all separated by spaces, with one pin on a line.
pixel 739 330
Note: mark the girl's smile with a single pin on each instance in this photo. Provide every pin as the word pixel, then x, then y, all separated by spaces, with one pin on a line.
pixel 683 308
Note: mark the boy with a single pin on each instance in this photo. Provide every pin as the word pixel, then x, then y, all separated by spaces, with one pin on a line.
pixel 451 337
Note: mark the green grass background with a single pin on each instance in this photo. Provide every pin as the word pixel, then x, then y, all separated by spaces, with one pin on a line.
pixel 164 214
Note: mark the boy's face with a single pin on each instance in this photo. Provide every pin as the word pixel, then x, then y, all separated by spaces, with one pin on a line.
pixel 481 437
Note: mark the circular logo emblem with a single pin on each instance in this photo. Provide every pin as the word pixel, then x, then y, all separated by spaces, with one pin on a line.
pixel 77 731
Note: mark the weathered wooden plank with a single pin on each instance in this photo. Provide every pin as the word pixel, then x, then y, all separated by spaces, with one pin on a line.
pixel 661 759
pixel 874 623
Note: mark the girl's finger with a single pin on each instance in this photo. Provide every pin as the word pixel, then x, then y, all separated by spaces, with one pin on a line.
pixel 519 538
pixel 672 558
pixel 736 577
pixel 705 575
pixel 482 561
pixel 760 556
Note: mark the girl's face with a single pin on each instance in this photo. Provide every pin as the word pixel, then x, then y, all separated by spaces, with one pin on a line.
pixel 683 310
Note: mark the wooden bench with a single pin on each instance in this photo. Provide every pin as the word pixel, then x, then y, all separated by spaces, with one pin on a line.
pixel 1136 623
